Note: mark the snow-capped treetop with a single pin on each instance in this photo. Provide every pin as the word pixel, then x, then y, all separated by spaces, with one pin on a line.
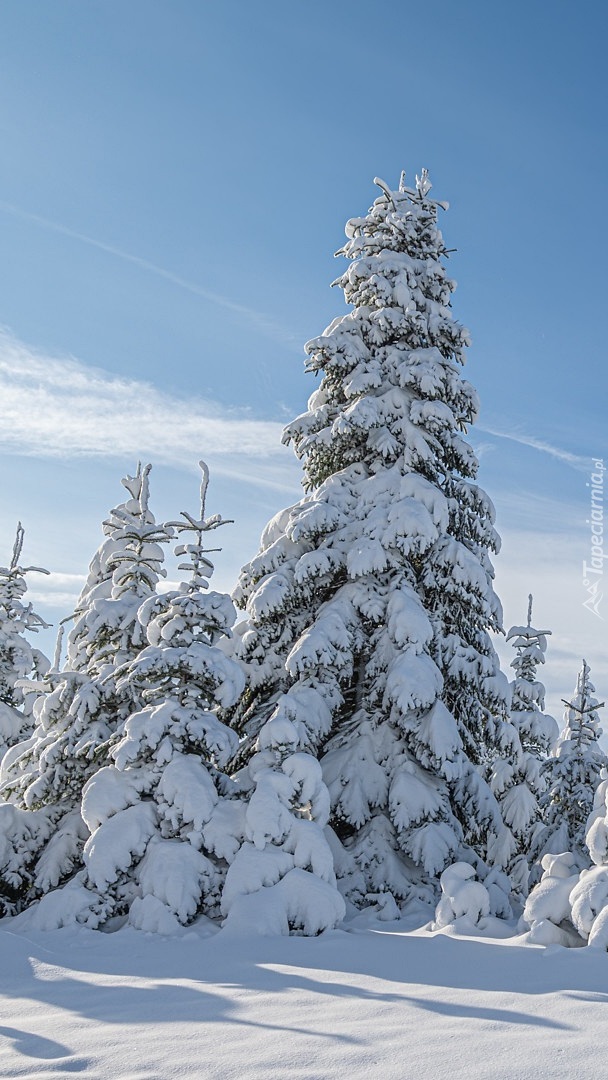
pixel 391 386
pixel 19 661
pixel 538 731
pixel 13 584
pixel 581 715
pixel 199 565
pixel 99 580
pixel 123 573
pixel 530 645
pixel 136 566
pixel 186 623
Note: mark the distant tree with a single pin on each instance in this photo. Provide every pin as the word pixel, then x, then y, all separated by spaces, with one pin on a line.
pixel 370 602
pixel 517 778
pixel 573 774
pixel 81 709
pixel 589 897
pixel 580 901
pixel 19 661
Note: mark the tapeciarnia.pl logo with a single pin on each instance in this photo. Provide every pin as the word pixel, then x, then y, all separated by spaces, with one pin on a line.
pixel 593 571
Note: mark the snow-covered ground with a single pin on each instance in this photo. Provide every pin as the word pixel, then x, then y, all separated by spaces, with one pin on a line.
pixel 372 1002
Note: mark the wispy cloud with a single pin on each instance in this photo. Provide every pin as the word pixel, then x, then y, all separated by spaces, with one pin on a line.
pixel 55 591
pixel 482 449
pixel 59 407
pixel 574 460
pixel 522 507
pixel 265 324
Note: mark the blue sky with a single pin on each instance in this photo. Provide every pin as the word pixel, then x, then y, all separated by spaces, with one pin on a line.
pixel 175 179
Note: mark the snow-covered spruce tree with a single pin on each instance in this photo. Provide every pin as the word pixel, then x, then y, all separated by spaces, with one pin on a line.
pixel 573 774
pixel 19 661
pixel 579 902
pixel 163 828
pixel 370 601
pixel 41 829
pixel 517 779
pixel 537 730
pixel 589 897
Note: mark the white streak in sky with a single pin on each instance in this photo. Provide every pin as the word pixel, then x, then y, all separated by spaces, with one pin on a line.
pixel 54 407
pixel 574 460
pixel 263 323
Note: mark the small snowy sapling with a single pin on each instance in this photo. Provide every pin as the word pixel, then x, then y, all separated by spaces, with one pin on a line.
pixel 163 825
pixel 573 774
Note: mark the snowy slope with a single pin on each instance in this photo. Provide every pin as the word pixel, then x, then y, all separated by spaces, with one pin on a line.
pixel 368 1003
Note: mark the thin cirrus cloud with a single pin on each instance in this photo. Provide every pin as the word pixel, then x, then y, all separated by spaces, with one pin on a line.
pixel 61 408
pixel 57 590
pixel 266 325
pixel 574 460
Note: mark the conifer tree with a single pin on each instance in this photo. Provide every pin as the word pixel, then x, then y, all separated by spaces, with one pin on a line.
pixel 370 602
pixel 537 730
pixel 573 774
pixel 163 827
pixel 517 778
pixel 41 829
pixel 589 897
pixel 19 660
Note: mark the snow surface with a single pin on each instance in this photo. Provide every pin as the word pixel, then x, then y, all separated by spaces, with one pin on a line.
pixel 376 1001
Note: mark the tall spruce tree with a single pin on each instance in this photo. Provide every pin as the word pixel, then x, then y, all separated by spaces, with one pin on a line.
pixel 517 778
pixel 42 833
pixel 19 660
pixel 573 773
pixel 370 602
